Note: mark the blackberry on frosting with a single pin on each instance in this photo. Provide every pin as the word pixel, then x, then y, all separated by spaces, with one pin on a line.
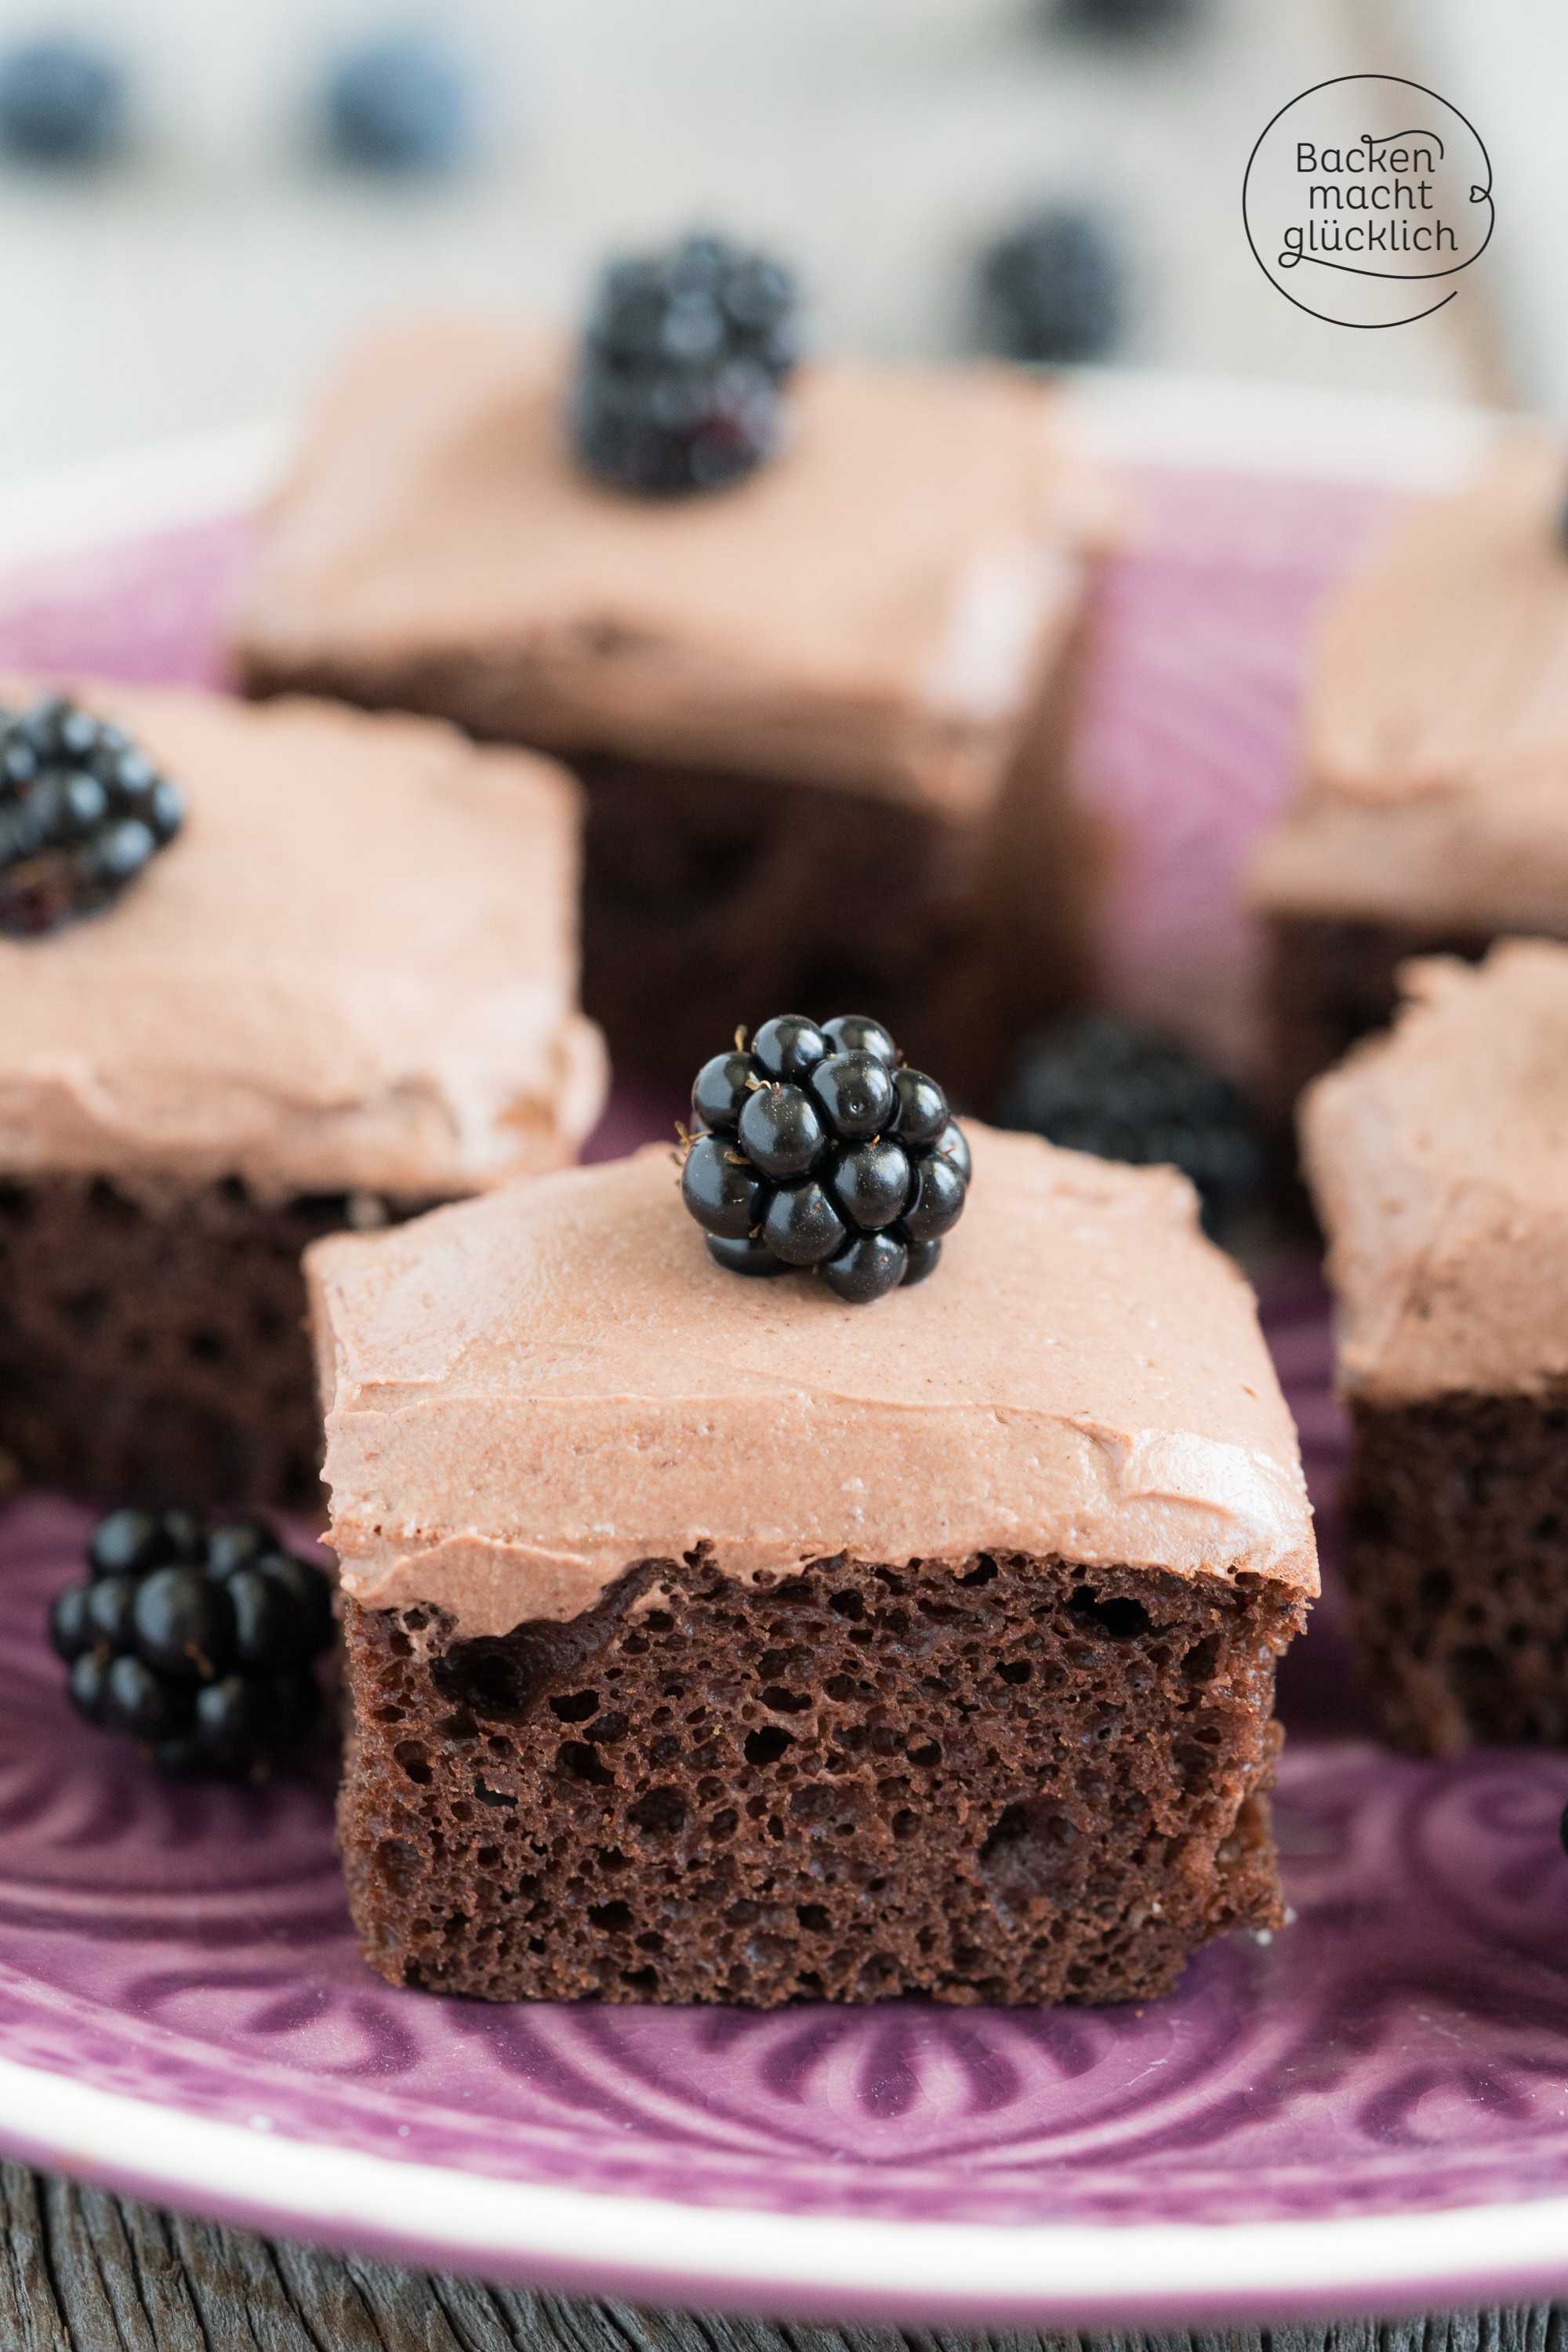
pixel 1051 289
pixel 819 1148
pixel 679 383
pixel 82 812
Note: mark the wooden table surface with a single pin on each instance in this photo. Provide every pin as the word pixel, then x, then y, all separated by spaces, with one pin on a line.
pixel 85 2272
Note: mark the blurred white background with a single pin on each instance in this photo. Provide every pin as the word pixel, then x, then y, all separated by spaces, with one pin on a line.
pixel 209 274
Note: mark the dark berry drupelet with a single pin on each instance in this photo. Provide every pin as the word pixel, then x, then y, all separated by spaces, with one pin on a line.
pixel 817 1149
pixel 82 813
pixel 856 1093
pixel 1124 1092
pixel 1051 290
pixel 721 1189
pixel 679 380
pixel 195 1641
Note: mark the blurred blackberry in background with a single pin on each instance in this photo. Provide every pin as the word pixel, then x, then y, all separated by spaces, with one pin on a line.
pixel 61 103
pixel 1124 1092
pixel 82 813
pixel 399 105
pixel 683 361
pixel 1051 292
pixel 1126 19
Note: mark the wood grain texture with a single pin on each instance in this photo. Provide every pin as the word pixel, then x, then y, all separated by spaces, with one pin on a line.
pixel 85 2272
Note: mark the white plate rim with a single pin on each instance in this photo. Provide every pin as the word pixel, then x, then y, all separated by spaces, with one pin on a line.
pixel 788 2265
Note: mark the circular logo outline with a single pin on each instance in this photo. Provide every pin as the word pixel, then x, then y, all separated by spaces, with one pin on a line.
pixel 1413 276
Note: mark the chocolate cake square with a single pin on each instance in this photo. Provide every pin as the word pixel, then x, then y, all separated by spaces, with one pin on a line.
pixel 819 714
pixel 1436 1156
pixel 346 989
pixel 1434 813
pixel 710 1639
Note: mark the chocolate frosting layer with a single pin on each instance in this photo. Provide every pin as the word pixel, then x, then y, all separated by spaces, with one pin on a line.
pixel 1437 750
pixel 876 608
pixel 527 1395
pixel 355 968
pixel 1438 1155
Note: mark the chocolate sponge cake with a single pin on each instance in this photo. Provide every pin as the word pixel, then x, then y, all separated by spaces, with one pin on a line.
pixel 1434 811
pixel 712 1639
pixel 346 989
pixel 1437 1159
pixel 817 714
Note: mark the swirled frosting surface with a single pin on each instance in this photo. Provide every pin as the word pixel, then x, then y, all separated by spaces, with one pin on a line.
pixel 1437 747
pixel 355 968
pixel 1438 1154
pixel 528 1393
pixel 876 607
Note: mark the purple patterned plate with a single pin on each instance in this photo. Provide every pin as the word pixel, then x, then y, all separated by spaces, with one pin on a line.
pixel 1372 2104
pixel 1369 2109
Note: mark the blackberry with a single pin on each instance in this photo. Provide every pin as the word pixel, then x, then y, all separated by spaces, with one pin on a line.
pixel 1127 19
pixel 60 103
pixel 1051 290
pixel 399 105
pixel 1124 1092
pixel 194 1641
pixel 82 813
pixel 819 1150
pixel 681 372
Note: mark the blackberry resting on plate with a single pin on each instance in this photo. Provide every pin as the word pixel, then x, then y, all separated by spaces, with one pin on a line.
pixel 82 812
pixel 815 1147
pixel 679 382
pixel 1099 1084
pixel 195 1640
pixel 1051 289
